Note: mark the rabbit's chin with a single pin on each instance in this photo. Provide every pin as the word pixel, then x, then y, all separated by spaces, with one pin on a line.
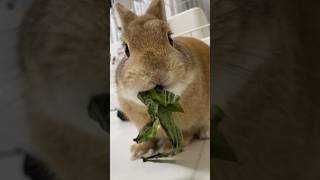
pixel 132 95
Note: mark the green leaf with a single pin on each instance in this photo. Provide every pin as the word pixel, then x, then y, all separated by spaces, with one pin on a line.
pixel 158 96
pixel 173 132
pixel 174 108
pixel 149 102
pixel 161 97
pixel 148 131
pixel 160 105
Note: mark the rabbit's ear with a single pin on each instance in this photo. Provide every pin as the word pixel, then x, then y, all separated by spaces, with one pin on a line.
pixel 126 16
pixel 157 9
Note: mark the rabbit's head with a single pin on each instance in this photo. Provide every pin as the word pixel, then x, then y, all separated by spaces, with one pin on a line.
pixel 154 59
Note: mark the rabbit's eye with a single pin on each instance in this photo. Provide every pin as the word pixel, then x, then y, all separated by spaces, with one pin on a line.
pixel 126 50
pixel 170 38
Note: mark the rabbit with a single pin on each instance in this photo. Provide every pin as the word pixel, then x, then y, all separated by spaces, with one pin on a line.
pixel 155 60
pixel 63 55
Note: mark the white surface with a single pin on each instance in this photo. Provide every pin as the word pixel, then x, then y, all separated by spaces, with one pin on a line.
pixel 206 40
pixel 188 20
pixel 192 164
pixel 116 54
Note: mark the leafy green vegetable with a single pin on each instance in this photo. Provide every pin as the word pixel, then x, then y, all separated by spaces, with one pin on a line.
pixel 160 105
pixel 148 131
pixel 172 131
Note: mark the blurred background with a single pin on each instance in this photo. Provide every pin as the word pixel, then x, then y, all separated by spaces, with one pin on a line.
pixel 14 138
pixel 186 18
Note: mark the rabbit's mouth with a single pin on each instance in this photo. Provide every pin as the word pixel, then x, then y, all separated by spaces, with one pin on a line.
pixel 176 87
pixel 132 93
pixel 159 87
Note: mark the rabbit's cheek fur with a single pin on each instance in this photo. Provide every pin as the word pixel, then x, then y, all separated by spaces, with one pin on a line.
pixel 179 87
pixel 130 88
pixel 130 94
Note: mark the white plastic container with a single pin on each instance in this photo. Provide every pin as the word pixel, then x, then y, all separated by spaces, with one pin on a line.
pixel 192 22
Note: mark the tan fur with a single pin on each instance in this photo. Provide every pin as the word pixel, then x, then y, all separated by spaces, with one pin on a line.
pixel 64 58
pixel 183 69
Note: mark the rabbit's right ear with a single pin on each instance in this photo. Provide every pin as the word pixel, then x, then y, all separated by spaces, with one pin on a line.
pixel 126 16
pixel 157 9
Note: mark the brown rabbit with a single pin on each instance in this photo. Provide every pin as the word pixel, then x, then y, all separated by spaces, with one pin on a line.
pixel 180 65
pixel 64 57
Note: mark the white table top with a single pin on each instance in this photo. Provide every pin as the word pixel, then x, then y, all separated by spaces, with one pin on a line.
pixel 192 164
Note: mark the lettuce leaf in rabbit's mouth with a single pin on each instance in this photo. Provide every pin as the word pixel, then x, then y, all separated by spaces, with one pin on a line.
pixel 161 104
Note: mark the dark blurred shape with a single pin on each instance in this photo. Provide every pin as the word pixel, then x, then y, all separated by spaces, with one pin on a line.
pixel 267 80
pixel 63 47
pixel 36 169
pixel 121 115
pixel 10 5
pixel 98 110
pixel 159 87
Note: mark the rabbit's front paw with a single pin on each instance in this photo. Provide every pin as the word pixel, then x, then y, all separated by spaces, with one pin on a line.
pixel 164 145
pixel 150 147
pixel 138 150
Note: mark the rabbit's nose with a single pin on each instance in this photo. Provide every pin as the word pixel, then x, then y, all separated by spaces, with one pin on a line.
pixel 159 87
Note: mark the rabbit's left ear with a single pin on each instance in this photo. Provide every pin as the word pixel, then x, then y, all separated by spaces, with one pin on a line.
pixel 126 16
pixel 157 9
